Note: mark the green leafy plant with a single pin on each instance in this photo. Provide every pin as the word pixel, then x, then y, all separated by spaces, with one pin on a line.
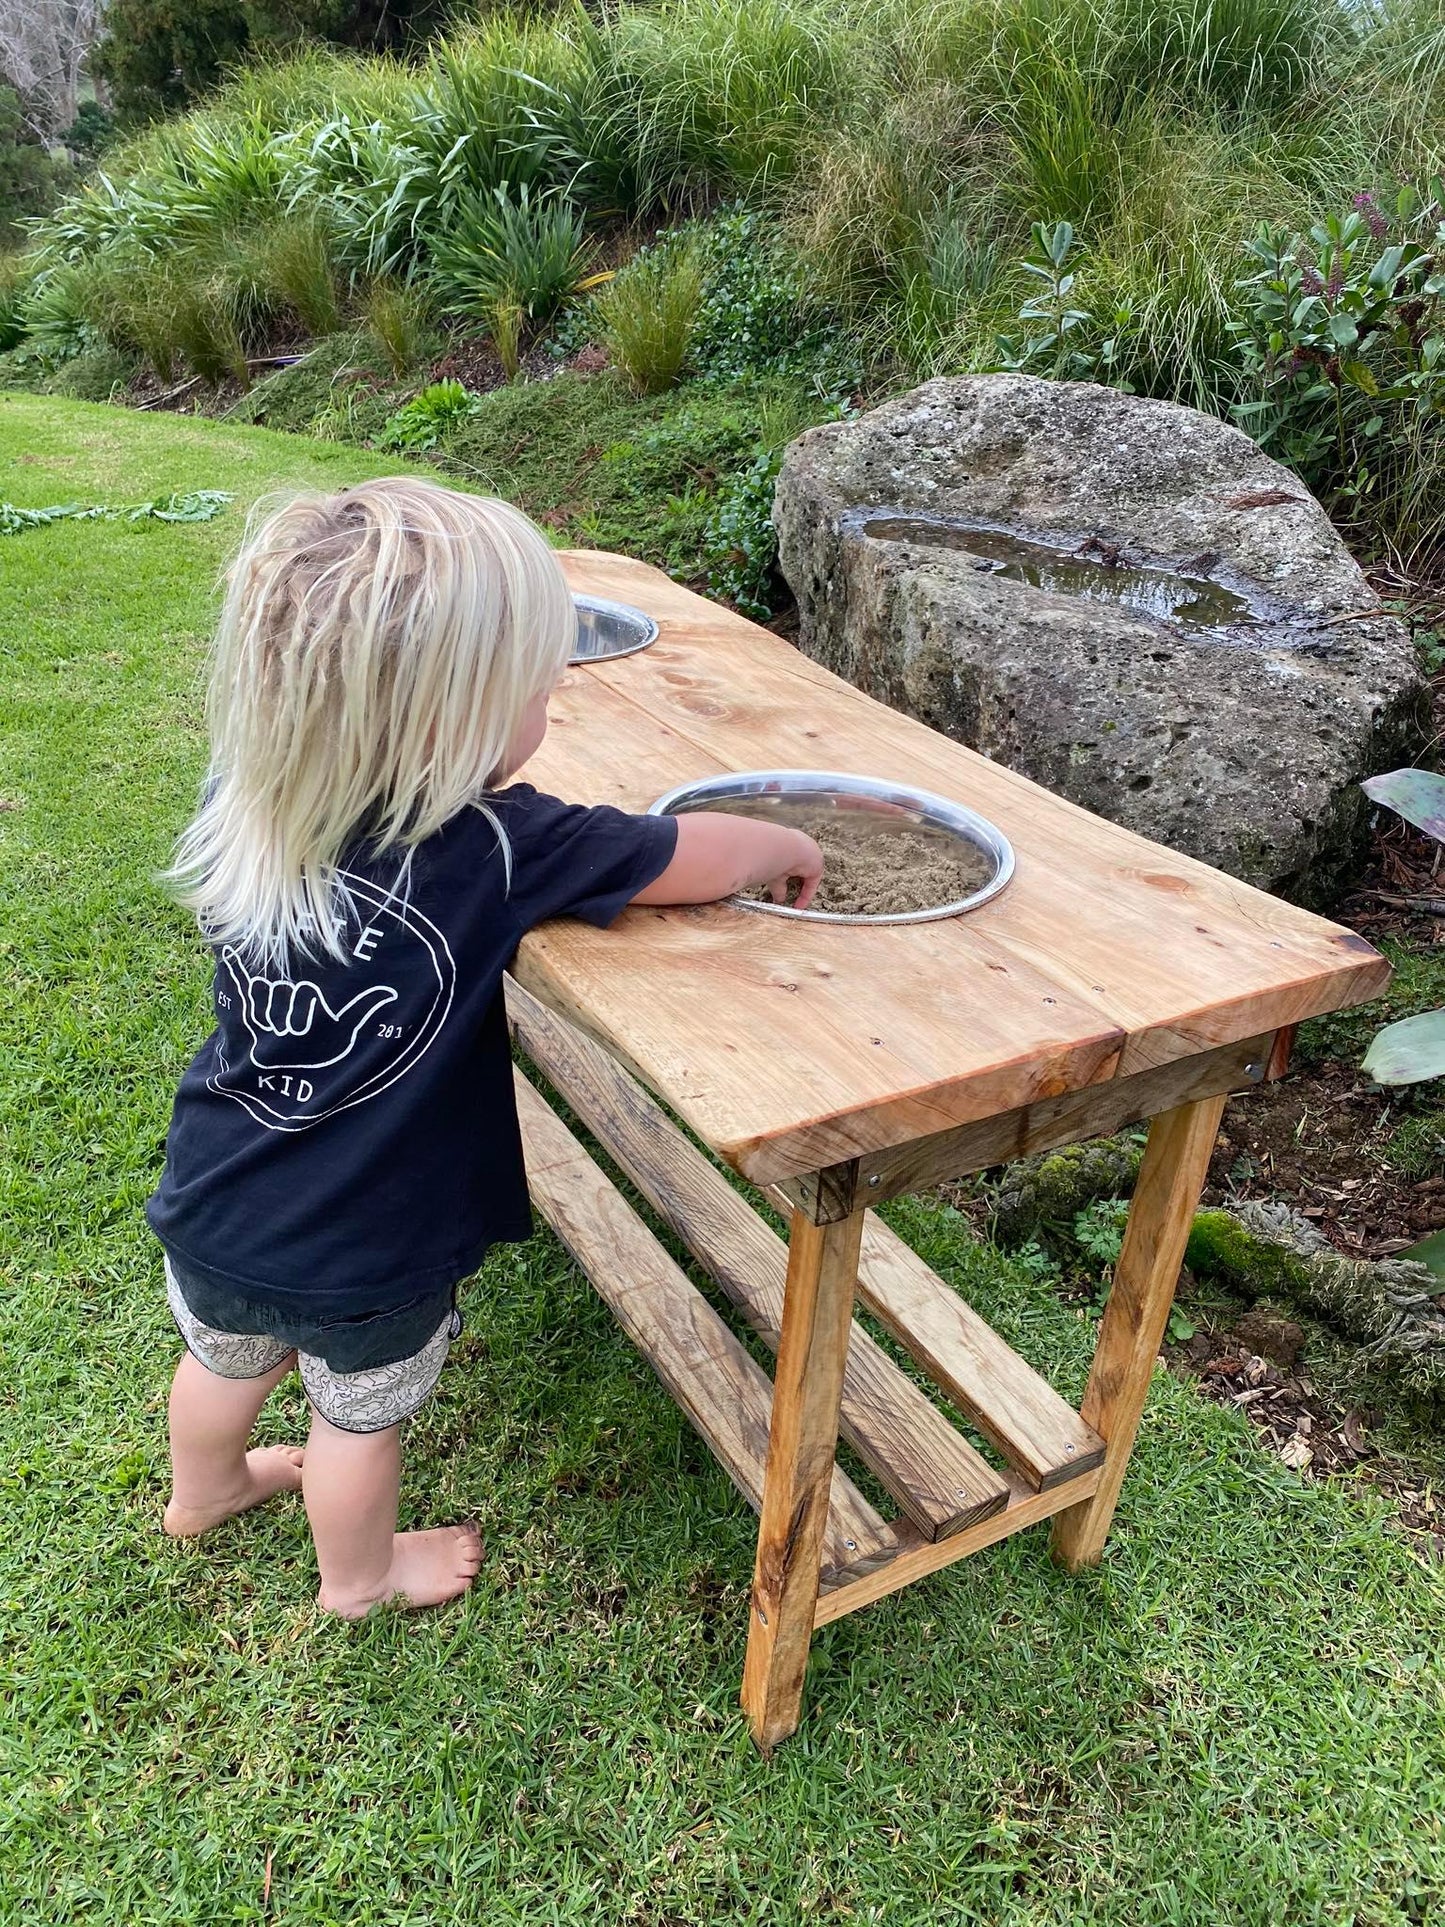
pixel 510 246
pixel 1342 329
pixel 1411 1051
pixel 740 540
pixel 756 314
pixel 1099 1230
pixel 378 191
pixel 192 505
pixel 649 312
pixel 55 313
pixel 1056 318
pixel 428 417
pixel 1099 1234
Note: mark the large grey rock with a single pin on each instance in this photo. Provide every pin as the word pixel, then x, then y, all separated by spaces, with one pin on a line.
pixel 1240 741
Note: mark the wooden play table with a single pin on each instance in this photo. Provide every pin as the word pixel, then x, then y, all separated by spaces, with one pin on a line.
pixel 835 1066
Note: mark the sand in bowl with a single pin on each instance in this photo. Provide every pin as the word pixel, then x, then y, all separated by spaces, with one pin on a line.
pixel 877 862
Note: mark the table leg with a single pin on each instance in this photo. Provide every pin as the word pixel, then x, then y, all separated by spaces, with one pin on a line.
pixel 1170 1181
pixel 807 1387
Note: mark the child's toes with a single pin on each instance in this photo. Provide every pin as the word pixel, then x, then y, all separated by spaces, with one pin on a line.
pixel 274 1468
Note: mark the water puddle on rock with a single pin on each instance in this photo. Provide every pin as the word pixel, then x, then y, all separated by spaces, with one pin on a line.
pixel 1094 571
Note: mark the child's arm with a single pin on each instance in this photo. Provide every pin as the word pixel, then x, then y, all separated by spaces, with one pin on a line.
pixel 718 854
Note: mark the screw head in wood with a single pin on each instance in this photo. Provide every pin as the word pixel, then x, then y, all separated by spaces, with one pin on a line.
pixel 1254 1071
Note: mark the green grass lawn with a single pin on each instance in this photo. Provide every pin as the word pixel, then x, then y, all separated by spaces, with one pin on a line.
pixel 1239 1718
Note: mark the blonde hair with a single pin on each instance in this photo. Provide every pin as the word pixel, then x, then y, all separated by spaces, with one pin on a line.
pixel 375 654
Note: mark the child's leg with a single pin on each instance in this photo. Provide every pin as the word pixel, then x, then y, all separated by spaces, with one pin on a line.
pixel 351 1482
pixel 213 1475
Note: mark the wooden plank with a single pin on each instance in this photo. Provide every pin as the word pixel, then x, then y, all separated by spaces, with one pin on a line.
pixel 1096 1111
pixel 725 1395
pixel 817 1318
pixel 1107 955
pixel 935 1475
pixel 845 1592
pixel 1038 1432
pixel 719 683
pixel 1170 1181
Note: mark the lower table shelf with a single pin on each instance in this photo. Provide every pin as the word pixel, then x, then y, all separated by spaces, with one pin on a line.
pixel 724 1393
pixel 953 1501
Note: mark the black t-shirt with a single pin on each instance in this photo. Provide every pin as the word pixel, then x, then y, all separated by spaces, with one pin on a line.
pixel 347 1138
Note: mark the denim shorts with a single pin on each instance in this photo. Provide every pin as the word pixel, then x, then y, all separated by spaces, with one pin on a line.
pixel 361 1374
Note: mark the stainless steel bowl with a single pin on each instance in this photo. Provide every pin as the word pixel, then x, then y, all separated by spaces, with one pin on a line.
pixel 823 787
pixel 606 629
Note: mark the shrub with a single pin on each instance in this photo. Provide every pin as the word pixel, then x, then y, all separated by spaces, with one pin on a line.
pixel 483 103
pixel 16 275
pixel 31 182
pixel 428 417
pixel 730 90
pixel 96 374
pixel 649 313
pixel 510 248
pixel 740 540
pixel 133 301
pixel 758 315
pixel 157 57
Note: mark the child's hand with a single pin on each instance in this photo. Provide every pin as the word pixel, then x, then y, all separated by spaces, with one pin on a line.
pixel 806 864
pixel 717 855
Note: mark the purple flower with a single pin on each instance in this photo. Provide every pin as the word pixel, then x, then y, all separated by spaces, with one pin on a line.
pixel 1310 282
pixel 1374 220
pixel 1335 286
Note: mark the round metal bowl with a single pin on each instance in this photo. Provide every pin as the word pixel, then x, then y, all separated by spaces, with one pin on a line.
pixel 606 629
pixel 822 788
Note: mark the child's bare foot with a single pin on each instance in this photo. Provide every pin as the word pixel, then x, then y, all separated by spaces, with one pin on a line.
pixel 269 1469
pixel 426 1569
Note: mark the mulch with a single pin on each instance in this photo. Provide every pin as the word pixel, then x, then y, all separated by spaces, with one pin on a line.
pixel 1317 1139
pixel 1290 1417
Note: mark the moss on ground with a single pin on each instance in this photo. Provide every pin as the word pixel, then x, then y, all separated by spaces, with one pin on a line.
pixel 1048 1191
pixel 1220 1248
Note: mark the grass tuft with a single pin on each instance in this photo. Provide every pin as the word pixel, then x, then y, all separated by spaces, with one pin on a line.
pixel 649 315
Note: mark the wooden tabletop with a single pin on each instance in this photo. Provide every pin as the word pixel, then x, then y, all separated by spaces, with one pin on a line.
pixel 791 1045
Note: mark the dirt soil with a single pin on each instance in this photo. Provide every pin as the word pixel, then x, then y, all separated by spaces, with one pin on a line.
pixel 1319 1139
pixel 874 864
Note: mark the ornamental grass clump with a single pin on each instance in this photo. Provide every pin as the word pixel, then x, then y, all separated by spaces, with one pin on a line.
pixel 399 317
pixel 649 315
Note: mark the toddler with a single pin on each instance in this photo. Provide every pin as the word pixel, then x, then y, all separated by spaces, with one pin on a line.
pixel 344 1148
